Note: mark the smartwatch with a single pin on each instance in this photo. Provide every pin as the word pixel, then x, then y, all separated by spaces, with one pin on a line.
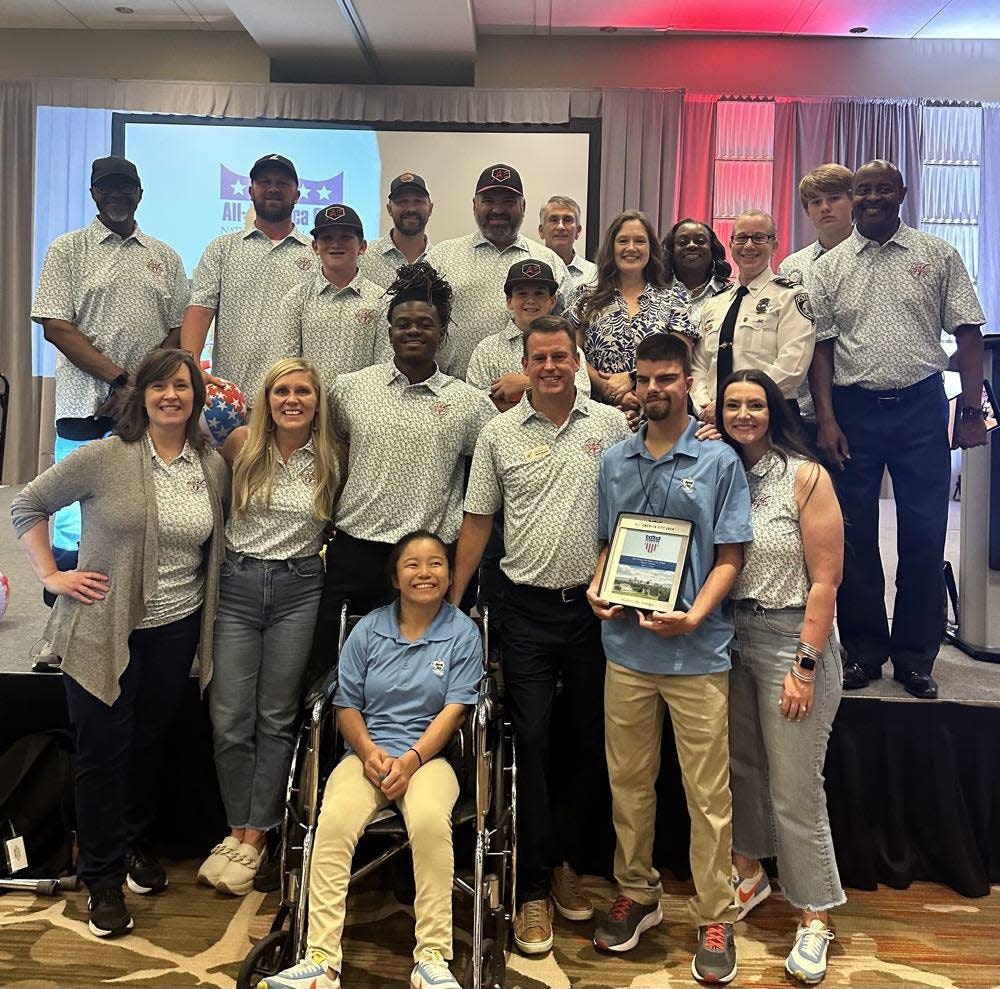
pixel 120 381
pixel 805 663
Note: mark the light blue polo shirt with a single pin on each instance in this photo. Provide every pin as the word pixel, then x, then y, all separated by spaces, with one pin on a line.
pixel 705 484
pixel 400 687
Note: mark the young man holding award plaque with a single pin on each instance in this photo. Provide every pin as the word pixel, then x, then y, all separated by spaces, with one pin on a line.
pixel 673 514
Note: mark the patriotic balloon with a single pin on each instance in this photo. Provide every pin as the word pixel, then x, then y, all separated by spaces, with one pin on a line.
pixel 4 593
pixel 226 409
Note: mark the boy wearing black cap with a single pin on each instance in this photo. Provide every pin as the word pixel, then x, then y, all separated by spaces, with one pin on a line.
pixel 476 265
pixel 242 277
pixel 337 314
pixel 495 365
pixel 410 207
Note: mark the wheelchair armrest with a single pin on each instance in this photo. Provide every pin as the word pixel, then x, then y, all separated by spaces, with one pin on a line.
pixel 323 688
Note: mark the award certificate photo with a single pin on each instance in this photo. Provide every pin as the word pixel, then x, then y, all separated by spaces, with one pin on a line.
pixel 645 562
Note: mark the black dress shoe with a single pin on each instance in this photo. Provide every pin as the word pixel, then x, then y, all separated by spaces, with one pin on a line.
pixel 920 685
pixel 855 677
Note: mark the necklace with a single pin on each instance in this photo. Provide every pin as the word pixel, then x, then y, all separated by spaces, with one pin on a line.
pixel 646 499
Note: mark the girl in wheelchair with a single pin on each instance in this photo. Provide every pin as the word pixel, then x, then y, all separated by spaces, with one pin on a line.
pixel 407 673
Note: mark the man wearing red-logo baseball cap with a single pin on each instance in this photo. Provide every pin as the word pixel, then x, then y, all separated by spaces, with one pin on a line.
pixel 409 204
pixel 476 265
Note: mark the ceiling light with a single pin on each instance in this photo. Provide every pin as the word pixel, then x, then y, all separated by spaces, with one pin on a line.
pixel 124 10
pixel 858 30
pixel 609 29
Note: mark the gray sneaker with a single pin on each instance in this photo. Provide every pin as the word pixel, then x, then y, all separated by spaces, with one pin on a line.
pixel 625 922
pixel 715 961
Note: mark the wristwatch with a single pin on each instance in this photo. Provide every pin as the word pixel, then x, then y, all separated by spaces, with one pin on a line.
pixel 805 663
pixel 120 381
pixel 970 412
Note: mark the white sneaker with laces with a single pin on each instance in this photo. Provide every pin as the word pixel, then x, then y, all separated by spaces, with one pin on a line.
pixel 432 972
pixel 807 959
pixel 310 973
pixel 751 892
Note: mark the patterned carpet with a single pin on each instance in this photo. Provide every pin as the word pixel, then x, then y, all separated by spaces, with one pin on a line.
pixel 190 936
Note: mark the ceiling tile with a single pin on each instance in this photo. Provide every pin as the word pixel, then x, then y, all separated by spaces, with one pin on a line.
pixel 974 19
pixel 887 19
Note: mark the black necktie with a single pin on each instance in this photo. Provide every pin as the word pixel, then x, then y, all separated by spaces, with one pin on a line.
pixel 724 367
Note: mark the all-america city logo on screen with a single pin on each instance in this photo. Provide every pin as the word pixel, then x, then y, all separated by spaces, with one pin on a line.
pixel 314 195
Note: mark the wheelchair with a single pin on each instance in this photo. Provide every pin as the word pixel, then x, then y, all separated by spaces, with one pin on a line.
pixel 484 758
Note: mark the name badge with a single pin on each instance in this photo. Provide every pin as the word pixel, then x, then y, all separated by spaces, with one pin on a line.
pixel 538 453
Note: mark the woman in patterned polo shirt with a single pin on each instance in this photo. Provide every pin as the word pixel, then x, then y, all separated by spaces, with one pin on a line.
pixel 285 476
pixel 785 683
pixel 631 298
pixel 127 621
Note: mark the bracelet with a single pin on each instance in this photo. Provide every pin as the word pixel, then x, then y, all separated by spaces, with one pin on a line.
pixel 420 758
pixel 811 651
pixel 799 675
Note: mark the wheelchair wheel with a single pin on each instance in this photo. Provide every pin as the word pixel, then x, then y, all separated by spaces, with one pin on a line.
pixel 493 969
pixel 267 957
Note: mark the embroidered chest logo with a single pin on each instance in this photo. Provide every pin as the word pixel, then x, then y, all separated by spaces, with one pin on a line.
pixel 593 446
pixel 437 667
pixel 920 270
pixel 440 409
pixel 156 267
pixel 303 264
pixel 197 485
pixel 308 476
pixel 364 316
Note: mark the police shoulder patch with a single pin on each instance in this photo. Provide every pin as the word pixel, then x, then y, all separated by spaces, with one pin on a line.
pixel 804 306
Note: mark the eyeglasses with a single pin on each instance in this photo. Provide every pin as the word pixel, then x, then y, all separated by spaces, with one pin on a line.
pixel 756 238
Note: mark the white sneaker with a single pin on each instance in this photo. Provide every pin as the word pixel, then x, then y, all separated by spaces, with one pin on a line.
pixel 237 874
pixel 432 972
pixel 807 959
pixel 211 868
pixel 310 973
pixel 751 892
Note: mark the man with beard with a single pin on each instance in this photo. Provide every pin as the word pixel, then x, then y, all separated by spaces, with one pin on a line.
pixel 883 297
pixel 410 207
pixel 242 278
pixel 677 660
pixel 476 265
pixel 107 295
pixel 337 314
pixel 539 463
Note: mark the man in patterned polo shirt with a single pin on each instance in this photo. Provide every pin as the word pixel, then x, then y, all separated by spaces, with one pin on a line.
pixel 540 463
pixel 108 294
pixel 476 265
pixel 242 278
pixel 338 314
pixel 410 207
pixel 882 299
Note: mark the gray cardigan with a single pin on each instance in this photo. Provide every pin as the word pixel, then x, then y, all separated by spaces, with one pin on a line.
pixel 113 481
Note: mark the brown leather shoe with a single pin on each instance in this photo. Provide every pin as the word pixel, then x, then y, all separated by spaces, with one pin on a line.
pixel 533 927
pixel 568 897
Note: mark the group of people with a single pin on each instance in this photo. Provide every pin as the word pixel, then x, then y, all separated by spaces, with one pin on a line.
pixel 649 383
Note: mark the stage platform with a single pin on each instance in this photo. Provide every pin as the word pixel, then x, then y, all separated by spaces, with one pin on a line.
pixel 913 786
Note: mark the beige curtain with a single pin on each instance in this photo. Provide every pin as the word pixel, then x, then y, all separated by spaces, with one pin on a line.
pixel 17 166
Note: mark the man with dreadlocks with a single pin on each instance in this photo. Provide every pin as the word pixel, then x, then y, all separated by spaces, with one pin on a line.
pixel 408 428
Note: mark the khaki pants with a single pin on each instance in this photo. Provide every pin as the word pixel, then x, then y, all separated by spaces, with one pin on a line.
pixel 349 803
pixel 633 710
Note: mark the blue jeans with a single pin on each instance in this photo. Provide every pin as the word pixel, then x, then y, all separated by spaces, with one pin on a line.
pixel 776 765
pixel 264 628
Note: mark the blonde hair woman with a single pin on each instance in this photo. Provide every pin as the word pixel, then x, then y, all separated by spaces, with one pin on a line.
pixel 285 477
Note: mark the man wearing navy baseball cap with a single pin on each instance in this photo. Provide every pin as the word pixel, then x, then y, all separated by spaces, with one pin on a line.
pixel 476 265
pixel 409 204
pixel 338 314
pixel 242 277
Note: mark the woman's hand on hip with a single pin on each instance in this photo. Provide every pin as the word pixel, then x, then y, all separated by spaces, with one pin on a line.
pixel 796 698
pixel 85 586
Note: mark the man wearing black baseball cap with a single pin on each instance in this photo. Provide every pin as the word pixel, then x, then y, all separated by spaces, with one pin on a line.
pixel 338 314
pixel 476 265
pixel 242 277
pixel 409 204
pixel 108 294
